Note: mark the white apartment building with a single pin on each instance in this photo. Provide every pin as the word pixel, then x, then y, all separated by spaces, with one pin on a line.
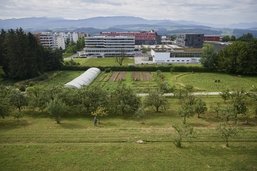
pixel 56 39
pixel 108 46
pixel 47 39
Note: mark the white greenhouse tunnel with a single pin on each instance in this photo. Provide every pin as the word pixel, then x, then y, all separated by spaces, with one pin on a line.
pixel 84 79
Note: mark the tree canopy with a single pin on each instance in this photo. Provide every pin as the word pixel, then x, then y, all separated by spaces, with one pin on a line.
pixel 22 57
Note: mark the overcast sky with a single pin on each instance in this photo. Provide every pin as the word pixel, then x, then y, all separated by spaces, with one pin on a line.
pixel 203 11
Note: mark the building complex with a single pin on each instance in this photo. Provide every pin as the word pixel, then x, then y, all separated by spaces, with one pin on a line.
pixel 108 46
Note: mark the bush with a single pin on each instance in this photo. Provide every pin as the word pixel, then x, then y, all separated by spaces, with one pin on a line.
pixel 141 68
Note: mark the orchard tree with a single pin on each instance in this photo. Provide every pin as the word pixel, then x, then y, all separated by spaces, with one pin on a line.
pixel 18 99
pixel 187 108
pixel 239 103
pixel 93 97
pixel 56 108
pixel 99 112
pixel 124 101
pixel 200 107
pixel 225 95
pixel 157 100
pixel 227 131
pixel 183 131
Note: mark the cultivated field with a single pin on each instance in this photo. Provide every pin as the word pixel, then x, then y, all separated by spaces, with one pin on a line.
pixel 142 81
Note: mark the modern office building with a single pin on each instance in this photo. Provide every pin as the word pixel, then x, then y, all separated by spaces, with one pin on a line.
pixel 190 40
pixel 109 46
pixel 141 38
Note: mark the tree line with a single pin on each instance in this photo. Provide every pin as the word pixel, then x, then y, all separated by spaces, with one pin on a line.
pixel 238 58
pixel 22 56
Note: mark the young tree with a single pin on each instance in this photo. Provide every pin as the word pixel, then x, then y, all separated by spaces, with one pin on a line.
pixel 18 99
pixel 56 108
pixel 227 131
pixel 187 108
pixel 225 95
pixel 140 114
pixel 120 58
pixel 156 100
pixel 200 107
pixel 239 103
pixel 183 131
pixel 99 112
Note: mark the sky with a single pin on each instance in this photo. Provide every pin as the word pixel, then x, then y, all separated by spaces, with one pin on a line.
pixel 202 11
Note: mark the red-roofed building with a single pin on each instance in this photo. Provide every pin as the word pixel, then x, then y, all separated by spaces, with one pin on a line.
pixel 149 38
pixel 212 38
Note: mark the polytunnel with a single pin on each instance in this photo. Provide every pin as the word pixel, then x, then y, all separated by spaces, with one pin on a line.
pixel 84 79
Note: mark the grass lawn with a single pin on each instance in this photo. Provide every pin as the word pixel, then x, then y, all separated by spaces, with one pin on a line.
pixel 102 61
pixel 66 55
pixel 38 143
pixel 206 81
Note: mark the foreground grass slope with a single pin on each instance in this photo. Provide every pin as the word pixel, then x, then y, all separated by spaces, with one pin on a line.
pixel 37 143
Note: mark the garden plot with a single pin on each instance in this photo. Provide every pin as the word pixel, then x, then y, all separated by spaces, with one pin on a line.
pixel 118 76
pixel 141 76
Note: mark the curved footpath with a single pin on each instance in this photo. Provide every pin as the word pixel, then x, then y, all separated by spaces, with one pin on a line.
pixel 194 94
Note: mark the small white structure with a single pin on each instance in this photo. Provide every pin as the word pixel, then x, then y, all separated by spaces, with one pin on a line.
pixel 181 56
pixel 161 56
pixel 84 79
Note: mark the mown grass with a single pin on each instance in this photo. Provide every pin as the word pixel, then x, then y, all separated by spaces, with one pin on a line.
pixel 37 143
pixel 102 61
pixel 66 55
pixel 206 81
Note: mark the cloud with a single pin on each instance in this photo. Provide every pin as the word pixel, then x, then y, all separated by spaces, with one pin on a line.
pixel 217 12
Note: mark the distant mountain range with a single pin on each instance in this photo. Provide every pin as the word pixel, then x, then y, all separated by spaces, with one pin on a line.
pixel 124 23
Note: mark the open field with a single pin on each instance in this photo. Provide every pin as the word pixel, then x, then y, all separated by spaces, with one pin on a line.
pixel 206 81
pixel 102 61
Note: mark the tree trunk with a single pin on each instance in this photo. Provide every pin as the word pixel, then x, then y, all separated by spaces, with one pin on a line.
pixel 184 121
pixel 198 115
pixel 157 108
pixel 227 145
pixel 58 119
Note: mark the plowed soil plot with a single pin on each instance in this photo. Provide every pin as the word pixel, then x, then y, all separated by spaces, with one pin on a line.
pixel 141 76
pixel 118 76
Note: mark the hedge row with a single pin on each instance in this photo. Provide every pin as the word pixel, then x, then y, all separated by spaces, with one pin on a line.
pixel 141 68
